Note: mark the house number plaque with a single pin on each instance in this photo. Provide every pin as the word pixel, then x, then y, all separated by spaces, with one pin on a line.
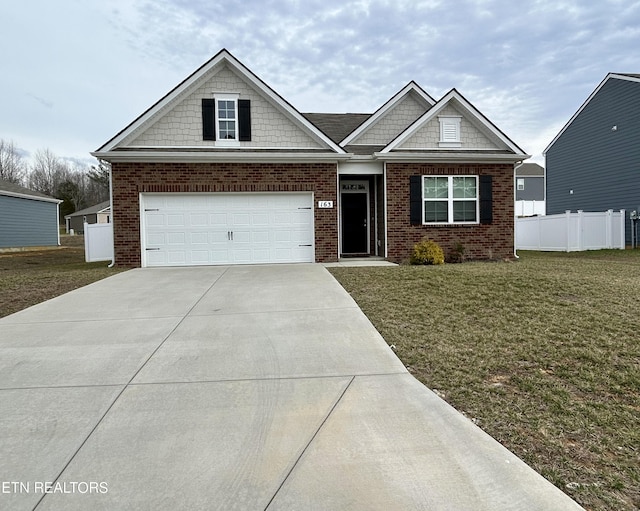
pixel 325 204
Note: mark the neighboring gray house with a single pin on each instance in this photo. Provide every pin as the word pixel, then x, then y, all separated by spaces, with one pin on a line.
pixel 27 218
pixel 97 214
pixel 530 182
pixel 593 164
pixel 530 190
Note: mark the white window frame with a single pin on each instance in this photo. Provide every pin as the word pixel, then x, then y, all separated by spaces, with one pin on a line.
pixel 520 183
pixel 450 199
pixel 450 130
pixel 229 142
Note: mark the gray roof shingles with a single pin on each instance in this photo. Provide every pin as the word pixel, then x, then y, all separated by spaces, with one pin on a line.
pixel 13 188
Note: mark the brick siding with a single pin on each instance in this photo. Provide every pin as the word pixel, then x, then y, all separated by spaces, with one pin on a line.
pixel 494 241
pixel 131 179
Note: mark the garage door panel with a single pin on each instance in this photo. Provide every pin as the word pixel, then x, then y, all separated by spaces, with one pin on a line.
pixel 176 238
pixel 200 257
pixel 199 229
pixel 198 220
pixel 199 238
pixel 176 257
pixel 218 219
pixel 176 220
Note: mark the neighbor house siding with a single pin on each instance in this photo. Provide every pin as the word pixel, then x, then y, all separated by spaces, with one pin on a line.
pixel 533 188
pixel 27 222
pixel 131 179
pixel 490 241
pixel 599 165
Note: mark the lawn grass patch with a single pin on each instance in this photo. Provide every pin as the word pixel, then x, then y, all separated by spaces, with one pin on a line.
pixel 542 353
pixel 31 277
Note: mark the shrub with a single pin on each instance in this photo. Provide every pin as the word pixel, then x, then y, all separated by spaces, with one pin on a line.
pixel 457 254
pixel 427 252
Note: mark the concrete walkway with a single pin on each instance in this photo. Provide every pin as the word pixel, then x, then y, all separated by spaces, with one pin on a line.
pixel 246 387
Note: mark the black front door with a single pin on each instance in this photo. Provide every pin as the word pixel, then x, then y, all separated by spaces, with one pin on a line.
pixel 354 223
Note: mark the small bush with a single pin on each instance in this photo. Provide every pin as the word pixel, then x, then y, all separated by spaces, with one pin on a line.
pixel 427 252
pixel 457 253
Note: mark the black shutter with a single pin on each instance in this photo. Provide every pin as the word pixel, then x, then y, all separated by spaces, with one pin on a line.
pixel 415 200
pixel 486 200
pixel 244 120
pixel 208 119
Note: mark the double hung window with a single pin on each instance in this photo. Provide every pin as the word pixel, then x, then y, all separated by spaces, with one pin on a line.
pixel 226 118
pixel 450 199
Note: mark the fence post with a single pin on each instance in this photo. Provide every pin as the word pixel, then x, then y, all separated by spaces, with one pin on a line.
pixel 86 243
pixel 580 232
pixel 567 231
pixel 609 229
pixel 623 221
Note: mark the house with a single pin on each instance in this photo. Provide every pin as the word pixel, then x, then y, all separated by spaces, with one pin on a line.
pixel 27 218
pixel 593 163
pixel 224 170
pixel 530 190
pixel 96 214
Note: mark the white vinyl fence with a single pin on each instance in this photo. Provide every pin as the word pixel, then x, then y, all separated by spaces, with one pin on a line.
pixel 571 232
pixel 98 242
pixel 530 207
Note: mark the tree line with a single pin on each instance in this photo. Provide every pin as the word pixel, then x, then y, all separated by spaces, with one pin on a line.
pixel 77 186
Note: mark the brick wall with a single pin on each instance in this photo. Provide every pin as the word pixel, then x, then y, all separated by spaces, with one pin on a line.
pixel 131 179
pixel 494 241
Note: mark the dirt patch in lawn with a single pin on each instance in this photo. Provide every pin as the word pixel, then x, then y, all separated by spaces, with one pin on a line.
pixel 33 276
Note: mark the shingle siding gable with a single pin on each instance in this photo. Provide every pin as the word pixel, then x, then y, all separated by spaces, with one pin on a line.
pixel 180 124
pixel 393 122
pixel 599 164
pixel 429 135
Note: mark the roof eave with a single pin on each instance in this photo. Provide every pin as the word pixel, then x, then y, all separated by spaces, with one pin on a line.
pixel 31 197
pixel 218 156
pixel 459 157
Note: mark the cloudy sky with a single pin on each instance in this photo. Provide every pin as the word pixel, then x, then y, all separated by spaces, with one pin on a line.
pixel 76 72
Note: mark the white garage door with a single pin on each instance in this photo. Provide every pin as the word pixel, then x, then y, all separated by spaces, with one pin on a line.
pixel 226 228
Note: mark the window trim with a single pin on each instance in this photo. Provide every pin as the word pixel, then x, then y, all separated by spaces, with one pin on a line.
pixel 450 200
pixel 520 184
pixel 220 141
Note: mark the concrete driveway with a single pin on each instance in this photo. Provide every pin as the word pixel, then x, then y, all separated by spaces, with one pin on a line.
pixel 246 387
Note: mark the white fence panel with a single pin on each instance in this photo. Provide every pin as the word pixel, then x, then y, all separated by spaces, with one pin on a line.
pixel 530 207
pixel 571 232
pixel 98 242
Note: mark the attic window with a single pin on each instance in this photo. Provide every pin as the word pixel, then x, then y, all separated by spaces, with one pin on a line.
pixel 449 130
pixel 226 118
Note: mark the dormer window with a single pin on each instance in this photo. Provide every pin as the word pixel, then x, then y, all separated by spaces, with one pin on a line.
pixel 449 130
pixel 226 119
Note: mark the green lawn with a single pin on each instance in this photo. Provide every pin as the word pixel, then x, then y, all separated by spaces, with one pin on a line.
pixel 542 353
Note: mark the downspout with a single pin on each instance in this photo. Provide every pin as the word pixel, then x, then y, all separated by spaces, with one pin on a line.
pixel 515 220
pixel 386 220
pixel 113 257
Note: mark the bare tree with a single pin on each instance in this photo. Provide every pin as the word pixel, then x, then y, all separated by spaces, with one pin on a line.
pixel 12 168
pixel 47 172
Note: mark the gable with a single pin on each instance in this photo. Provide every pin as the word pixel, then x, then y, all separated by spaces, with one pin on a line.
pixel 179 124
pixel 393 122
pixel 428 136
pixel 616 101
pixel 222 99
pixel 453 128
